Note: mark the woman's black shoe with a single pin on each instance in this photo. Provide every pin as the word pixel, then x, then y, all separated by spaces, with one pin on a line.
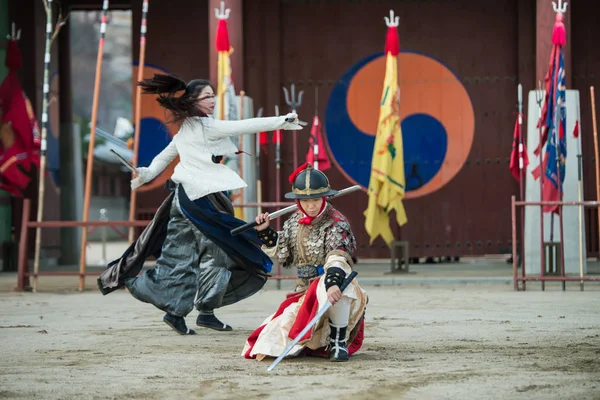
pixel 178 324
pixel 212 322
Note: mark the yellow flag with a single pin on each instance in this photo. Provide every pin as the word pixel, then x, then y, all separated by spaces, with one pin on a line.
pixel 226 92
pixel 223 79
pixel 387 183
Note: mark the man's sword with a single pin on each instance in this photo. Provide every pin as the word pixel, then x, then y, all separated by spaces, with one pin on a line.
pixel 311 323
pixel 124 161
pixel 288 210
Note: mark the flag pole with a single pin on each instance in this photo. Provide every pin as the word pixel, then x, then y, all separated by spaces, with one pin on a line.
pixel 222 14
pixel 557 160
pixel 241 150
pixel 597 160
pixel 560 190
pixel 45 122
pixel 539 98
pixel 138 113
pixel 277 139
pixel 316 138
pixel 579 199
pixel 521 171
pixel 294 103
pixel 90 156
pixel 257 166
pixel 560 10
pixel 521 161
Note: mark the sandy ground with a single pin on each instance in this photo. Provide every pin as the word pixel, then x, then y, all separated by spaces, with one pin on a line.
pixel 422 342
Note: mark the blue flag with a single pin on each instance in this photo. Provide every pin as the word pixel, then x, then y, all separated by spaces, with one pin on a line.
pixel 556 119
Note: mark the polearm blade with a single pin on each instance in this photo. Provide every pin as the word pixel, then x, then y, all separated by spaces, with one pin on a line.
pixel 288 210
pixel 311 323
pixel 124 161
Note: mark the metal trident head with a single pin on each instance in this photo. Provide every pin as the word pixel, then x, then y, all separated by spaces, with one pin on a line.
pixel 12 35
pixel 294 102
pixel 562 8
pixel 539 94
pixel 259 113
pixel 103 213
pixel 539 97
pixel 391 21
pixel 222 13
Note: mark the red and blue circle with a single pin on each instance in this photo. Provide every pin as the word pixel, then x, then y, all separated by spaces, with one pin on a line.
pixel 437 121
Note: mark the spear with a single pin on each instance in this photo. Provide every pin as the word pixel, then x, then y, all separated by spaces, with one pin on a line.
pixel 521 170
pixel 596 158
pixel 90 156
pixel 579 197
pixel 45 123
pixel 138 112
pixel 539 98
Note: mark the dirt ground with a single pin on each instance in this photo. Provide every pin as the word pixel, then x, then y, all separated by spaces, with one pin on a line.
pixel 422 342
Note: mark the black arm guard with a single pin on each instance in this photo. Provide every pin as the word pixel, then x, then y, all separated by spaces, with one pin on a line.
pixel 334 277
pixel 268 236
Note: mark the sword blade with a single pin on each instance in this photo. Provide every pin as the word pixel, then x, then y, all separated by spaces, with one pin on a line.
pixel 124 161
pixel 300 335
pixel 294 207
pixel 312 322
pixel 288 210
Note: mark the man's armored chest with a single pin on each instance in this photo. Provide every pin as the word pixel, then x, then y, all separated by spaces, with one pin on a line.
pixel 309 244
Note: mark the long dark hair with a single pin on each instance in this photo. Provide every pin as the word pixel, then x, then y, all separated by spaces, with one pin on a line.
pixel 167 86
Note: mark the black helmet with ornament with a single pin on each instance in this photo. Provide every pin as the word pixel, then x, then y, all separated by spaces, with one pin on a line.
pixel 309 183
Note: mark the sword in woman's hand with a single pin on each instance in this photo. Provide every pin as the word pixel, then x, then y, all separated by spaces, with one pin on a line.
pixel 124 161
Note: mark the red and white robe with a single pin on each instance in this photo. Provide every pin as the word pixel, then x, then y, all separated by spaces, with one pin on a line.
pixel 294 313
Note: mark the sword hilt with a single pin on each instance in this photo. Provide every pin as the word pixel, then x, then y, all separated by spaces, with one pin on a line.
pixel 348 280
pixel 243 228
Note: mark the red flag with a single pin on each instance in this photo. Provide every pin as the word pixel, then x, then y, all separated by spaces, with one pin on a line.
pixel 576 130
pixel 19 138
pixel 553 122
pixel 317 137
pixel 222 36
pixel 263 141
pixel 517 152
pixel 549 192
